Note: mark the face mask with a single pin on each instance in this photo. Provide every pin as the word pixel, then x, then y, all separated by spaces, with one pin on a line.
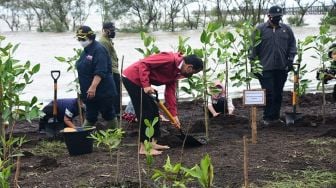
pixel 276 20
pixel 111 34
pixel 84 43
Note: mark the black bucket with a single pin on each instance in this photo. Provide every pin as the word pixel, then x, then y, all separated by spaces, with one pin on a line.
pixel 78 142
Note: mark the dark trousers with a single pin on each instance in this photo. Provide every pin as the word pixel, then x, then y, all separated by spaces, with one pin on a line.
pixel 149 108
pixel 103 105
pixel 273 81
pixel 116 100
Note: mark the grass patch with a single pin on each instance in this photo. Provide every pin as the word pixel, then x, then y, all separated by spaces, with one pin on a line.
pixel 50 148
pixel 321 141
pixel 304 178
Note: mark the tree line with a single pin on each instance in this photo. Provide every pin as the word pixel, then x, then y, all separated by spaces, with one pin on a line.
pixel 141 15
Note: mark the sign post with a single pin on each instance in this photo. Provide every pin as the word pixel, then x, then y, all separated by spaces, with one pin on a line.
pixel 254 98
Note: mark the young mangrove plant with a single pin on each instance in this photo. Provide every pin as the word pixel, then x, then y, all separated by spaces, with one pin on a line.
pixel 111 139
pixel 148 143
pixel 203 173
pixel 172 175
pixel 247 38
pixel 15 76
pixel 321 45
pixel 176 175
pixel 149 43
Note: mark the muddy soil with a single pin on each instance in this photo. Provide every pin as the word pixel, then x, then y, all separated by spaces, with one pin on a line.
pixel 278 149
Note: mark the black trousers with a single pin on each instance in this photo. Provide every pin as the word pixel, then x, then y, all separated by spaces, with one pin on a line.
pixel 273 81
pixel 149 108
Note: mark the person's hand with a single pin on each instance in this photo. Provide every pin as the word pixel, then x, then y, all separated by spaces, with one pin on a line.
pixel 215 114
pixel 177 123
pixel 91 92
pixel 149 90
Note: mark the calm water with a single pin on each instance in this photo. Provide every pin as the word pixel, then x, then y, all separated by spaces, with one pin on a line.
pixel 43 47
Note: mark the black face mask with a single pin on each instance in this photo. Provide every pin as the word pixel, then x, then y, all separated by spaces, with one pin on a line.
pixel 111 34
pixel 276 20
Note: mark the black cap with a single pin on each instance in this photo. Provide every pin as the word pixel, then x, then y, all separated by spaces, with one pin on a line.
pixel 275 11
pixel 108 25
pixel 85 32
pixel 332 48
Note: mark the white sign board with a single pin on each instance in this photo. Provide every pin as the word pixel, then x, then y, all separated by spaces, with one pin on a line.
pixel 254 97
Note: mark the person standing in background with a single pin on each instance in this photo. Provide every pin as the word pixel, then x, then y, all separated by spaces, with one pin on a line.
pixel 106 40
pixel 276 52
pixel 95 79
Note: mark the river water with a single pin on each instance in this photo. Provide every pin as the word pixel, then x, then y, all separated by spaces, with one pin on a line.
pixel 43 47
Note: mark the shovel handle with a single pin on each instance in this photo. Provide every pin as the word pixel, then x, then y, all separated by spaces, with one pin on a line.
pixel 55 74
pixel 166 111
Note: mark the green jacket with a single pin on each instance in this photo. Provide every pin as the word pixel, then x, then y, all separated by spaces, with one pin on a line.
pixel 108 44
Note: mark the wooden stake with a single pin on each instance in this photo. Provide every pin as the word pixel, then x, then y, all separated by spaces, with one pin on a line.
pixel 254 124
pixel 17 172
pixel 246 183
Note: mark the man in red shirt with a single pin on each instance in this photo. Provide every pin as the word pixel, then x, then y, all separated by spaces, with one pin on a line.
pixel 164 68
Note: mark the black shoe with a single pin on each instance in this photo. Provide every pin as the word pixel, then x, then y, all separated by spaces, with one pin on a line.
pixel 278 122
pixel 272 123
pixel 265 124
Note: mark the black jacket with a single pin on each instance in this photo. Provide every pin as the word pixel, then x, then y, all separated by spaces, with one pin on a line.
pixel 277 48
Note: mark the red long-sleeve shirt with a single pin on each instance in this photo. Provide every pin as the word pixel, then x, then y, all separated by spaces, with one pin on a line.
pixel 158 69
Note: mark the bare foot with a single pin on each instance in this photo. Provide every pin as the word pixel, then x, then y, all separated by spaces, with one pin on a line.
pixel 152 152
pixel 158 146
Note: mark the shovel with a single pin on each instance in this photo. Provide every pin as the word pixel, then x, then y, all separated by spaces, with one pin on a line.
pixel 53 128
pixel 293 116
pixel 189 140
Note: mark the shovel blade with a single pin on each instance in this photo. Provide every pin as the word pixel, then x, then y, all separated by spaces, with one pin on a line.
pixel 191 141
pixel 53 129
pixel 291 117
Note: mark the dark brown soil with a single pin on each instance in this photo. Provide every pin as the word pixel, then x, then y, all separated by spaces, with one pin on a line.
pixel 279 149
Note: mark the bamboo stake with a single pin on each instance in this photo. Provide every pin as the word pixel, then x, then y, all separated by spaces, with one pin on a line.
pixel 17 172
pixel 246 183
pixel 120 115
pixel 254 124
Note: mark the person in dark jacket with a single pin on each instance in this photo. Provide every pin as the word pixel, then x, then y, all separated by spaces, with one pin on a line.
pixel 95 79
pixel 276 52
pixel 106 40
pixel 139 78
pixel 67 110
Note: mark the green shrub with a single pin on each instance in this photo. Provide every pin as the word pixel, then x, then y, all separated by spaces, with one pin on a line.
pixel 294 20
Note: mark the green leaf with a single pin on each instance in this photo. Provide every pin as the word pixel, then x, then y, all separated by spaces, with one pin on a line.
pixel 36 68
pixel 60 59
pixel 203 36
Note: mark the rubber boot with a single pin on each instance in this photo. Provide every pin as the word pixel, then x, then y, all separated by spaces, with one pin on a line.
pixel 87 123
pixel 112 124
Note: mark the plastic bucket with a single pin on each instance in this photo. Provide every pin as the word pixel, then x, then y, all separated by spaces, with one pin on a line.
pixel 77 142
